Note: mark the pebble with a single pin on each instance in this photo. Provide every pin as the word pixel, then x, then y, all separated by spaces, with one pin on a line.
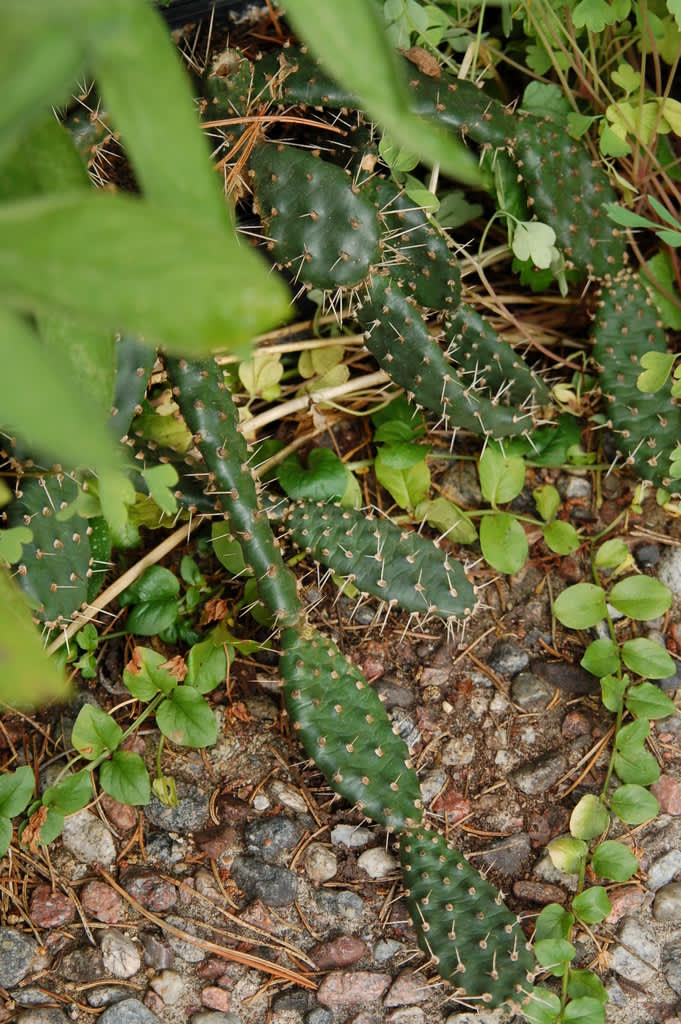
pixel 508 658
pixel 500 704
pixel 282 793
pixel 168 985
pixel 548 872
pixel 319 1016
pixel 215 998
pixel 566 676
pixel 120 955
pixel 668 794
pixel 637 954
pixel 102 902
pixel 88 839
pixel 459 750
pixel 394 696
pixel 215 1017
pixel 190 813
pixel 385 949
pixel 296 1000
pixel 351 836
pixel 509 856
pixel 164 849
pixel 407 989
pixel 105 995
pixel 122 816
pixel 51 908
pixel 667 905
pixel 454 805
pixel 432 783
pixel 576 723
pixel 320 862
pixel 624 902
pixel 30 996
pixel 186 950
pixel 128 1011
pixel 482 1017
pixel 352 988
pixel 274 885
pixel 671 965
pixel 17 953
pixel 377 862
pixel 407 1015
pixel 538 892
pixel 669 569
pixel 537 776
pixel 42 1016
pixel 82 964
pixel 663 869
pixel 147 888
pixel 406 727
pixel 530 692
pixel 334 907
pixel 340 952
pixel 270 837
pixel 647 555
pixel 157 954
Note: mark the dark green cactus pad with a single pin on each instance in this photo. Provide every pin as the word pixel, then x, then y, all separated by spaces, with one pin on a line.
pixel 398 337
pixel 461 106
pixel 134 363
pixel 399 566
pixel 295 77
pixel 487 361
pixel 647 427
pixel 208 409
pixel 414 251
pixel 321 228
pixel 462 923
pixel 345 729
pixel 56 568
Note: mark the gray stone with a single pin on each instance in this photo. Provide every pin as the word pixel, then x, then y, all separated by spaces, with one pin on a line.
pixel 216 1017
pixel 128 1011
pixel 17 952
pixel 168 985
pixel 270 837
pixel 42 1016
pixel 120 955
pixel 186 950
pixel 274 885
pixel 385 949
pixel 671 965
pixel 664 869
pixel 460 484
pixel 637 954
pixel 342 909
pixel 157 954
pixel 30 996
pixel 509 856
pixel 105 995
pixel 406 727
pixel 296 999
pixel 537 776
pixel 432 783
pixel 459 750
pixel 377 862
pixel 647 555
pixel 407 1015
pixel 321 863
pixel 88 839
pixel 571 486
pixel 669 569
pixel 547 870
pixel 667 905
pixel 530 692
pixel 190 813
pixel 282 793
pixel 319 1016
pixel 165 850
pixel 82 964
pixel 351 836
pixel 508 658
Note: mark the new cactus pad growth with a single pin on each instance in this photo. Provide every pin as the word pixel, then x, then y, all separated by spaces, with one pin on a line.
pixel 377 557
pixel 462 923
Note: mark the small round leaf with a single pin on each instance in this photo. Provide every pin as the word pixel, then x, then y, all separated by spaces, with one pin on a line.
pixel 580 606
pixel 648 659
pixel 503 542
pixel 567 854
pixel 614 860
pixel 601 657
pixel 589 818
pixel 640 597
pixel 125 778
pixel 592 905
pixel 634 804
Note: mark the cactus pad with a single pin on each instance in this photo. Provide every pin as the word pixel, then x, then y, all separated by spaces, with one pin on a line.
pixel 399 566
pixel 345 729
pixel 647 427
pixel 462 922
pixel 134 363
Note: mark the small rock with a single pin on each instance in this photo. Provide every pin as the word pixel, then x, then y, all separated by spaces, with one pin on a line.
pixel 102 902
pixel 530 692
pixel 637 954
pixel 667 905
pixel 407 989
pixel 88 839
pixel 215 1017
pixel 154 1002
pixel 669 569
pixel 668 794
pixel 394 696
pixel 508 658
pixel 647 555
pixel 128 1011
pixel 407 1015
pixel 157 954
pixel 454 805
pixel 663 869
pixel 147 888
pixel 340 952
pixel 537 776
pixel 51 908
pixel 671 965
pixel 270 837
pixel 190 813
pixel 295 1000
pixel 432 783
pixel 459 750
pixel 376 862
pixel 17 953
pixel 538 892
pixel 576 723
pixel 168 985
pixel 386 949
pixel 82 964
pixel 567 677
pixel 509 856
pixel 185 949
pixel 282 793
pixel 105 995
pixel 319 1016
pixel 406 727
pixel 500 704
pixel 30 996
pixel 274 885
pixel 122 816
pixel 352 988
pixel 165 850
pixel 120 955
pixel 481 1017
pixel 215 998
pixel 338 909
pixel 351 836
pixel 320 862
pixel 624 902
pixel 42 1016
pixel 546 870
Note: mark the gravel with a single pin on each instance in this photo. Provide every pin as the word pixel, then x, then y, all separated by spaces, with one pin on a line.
pixel 17 953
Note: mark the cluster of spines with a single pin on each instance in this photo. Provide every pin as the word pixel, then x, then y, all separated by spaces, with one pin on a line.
pixel 646 426
pixel 377 557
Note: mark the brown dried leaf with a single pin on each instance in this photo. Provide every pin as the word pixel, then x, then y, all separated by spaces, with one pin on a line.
pixel 424 61
pixel 134 666
pixel 31 833
pixel 176 667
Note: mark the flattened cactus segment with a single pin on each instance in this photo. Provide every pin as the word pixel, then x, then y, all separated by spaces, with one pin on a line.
pixel 399 566
pixel 462 923
pixel 345 729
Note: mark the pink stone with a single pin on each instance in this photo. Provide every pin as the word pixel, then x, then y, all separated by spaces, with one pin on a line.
pixel 407 989
pixel 453 804
pixel 101 902
pixel 668 793
pixel 122 816
pixel 352 988
pixel 340 952
pixel 215 998
pixel 623 902
pixel 50 909
pixel 154 1002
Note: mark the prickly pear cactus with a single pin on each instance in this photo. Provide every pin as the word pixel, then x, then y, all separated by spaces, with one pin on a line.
pixel 647 427
pixel 379 558
pixel 134 362
pixel 462 923
pixel 344 728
